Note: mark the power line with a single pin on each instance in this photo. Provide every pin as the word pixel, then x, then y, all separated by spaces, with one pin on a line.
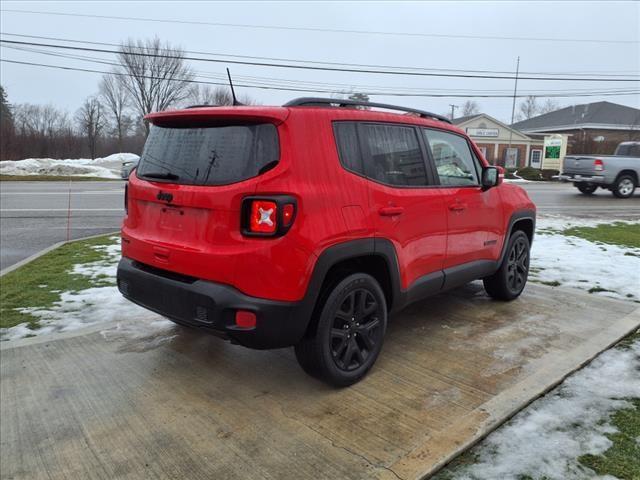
pixel 266 87
pixel 323 30
pixel 318 62
pixel 316 68
pixel 289 82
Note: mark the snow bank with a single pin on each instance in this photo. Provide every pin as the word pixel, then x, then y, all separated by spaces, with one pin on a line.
pixel 545 440
pixel 107 167
pixel 607 270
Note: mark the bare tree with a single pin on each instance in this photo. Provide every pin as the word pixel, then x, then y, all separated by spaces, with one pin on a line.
pixel 91 121
pixel 528 108
pixel 154 74
pixel 207 95
pixel 115 98
pixel 470 107
pixel 548 106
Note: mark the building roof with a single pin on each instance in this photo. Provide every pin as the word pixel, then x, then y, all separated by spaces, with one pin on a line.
pixel 600 115
pixel 459 120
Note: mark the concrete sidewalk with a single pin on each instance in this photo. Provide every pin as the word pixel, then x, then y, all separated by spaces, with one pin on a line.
pixel 171 403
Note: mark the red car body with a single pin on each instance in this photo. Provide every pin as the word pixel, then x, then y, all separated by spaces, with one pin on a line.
pixel 180 240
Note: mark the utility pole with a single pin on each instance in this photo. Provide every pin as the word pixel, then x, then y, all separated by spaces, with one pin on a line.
pixel 453 107
pixel 513 107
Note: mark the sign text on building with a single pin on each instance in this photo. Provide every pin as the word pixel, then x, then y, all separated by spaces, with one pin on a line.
pixel 482 132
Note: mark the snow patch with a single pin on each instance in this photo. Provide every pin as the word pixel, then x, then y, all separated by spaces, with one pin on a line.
pixel 545 440
pixel 578 263
pixel 107 167
pixel 86 307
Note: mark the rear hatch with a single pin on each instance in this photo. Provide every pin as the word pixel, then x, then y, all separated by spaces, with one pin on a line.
pixel 184 198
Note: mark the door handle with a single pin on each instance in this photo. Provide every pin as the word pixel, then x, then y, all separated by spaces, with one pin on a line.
pixel 458 207
pixel 391 211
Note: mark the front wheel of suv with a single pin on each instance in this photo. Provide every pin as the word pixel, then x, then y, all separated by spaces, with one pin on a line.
pixel 509 281
pixel 350 330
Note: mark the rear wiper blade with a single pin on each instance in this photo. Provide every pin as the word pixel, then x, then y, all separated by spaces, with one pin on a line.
pixel 164 176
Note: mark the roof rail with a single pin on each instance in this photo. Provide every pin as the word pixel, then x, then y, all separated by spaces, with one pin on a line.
pixel 320 102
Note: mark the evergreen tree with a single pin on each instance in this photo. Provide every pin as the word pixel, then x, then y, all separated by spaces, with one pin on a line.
pixel 6 115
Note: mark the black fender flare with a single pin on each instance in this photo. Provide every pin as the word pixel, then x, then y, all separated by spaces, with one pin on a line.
pixel 349 249
pixel 516 217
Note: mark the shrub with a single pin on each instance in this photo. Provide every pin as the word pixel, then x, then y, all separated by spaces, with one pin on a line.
pixel 529 173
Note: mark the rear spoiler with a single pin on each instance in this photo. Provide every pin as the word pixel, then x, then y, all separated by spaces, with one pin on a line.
pixel 213 115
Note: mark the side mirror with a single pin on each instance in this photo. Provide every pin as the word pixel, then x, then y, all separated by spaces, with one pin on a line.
pixel 490 177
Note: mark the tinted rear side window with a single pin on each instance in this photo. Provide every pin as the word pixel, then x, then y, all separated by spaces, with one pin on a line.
pixel 216 155
pixel 348 146
pixel 392 155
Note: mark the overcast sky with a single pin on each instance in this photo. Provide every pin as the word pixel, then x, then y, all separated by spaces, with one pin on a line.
pixel 607 20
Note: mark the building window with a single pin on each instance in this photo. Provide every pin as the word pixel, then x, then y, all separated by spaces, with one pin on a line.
pixel 511 157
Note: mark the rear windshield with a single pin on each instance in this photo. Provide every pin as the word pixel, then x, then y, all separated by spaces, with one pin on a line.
pixel 215 155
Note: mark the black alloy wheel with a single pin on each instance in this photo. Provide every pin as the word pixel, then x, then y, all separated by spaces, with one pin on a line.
pixel 356 330
pixel 511 277
pixel 518 265
pixel 347 331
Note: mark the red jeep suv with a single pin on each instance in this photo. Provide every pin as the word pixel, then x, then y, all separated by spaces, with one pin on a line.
pixel 307 225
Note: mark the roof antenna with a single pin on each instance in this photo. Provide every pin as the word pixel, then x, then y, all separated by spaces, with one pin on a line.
pixel 233 93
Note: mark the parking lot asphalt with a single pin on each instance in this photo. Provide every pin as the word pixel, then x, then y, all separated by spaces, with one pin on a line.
pixel 33 215
pixel 130 400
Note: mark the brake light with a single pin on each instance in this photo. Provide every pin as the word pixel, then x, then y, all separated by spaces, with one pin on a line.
pixel 264 217
pixel 598 165
pixel 268 216
pixel 245 319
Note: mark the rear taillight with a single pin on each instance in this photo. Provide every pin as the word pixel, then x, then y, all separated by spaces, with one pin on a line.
pixel 598 165
pixel 268 216
pixel 263 217
pixel 126 199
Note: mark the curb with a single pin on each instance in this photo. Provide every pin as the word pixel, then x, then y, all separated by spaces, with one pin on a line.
pixel 50 248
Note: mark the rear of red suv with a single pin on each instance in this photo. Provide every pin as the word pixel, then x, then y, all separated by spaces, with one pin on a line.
pixel 201 243
pixel 306 225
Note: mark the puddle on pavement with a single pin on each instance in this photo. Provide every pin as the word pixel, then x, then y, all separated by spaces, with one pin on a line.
pixel 142 334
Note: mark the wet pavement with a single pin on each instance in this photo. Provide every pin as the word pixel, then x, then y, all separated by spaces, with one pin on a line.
pixel 142 398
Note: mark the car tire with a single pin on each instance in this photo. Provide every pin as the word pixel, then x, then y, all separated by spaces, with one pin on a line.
pixel 350 325
pixel 586 188
pixel 625 186
pixel 510 279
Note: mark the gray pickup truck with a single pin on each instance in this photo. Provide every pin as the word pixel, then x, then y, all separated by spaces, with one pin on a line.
pixel 619 172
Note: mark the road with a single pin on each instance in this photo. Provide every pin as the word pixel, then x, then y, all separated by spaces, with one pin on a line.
pixel 33 215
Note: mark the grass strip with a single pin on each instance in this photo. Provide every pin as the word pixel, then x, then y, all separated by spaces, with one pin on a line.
pixel 40 282
pixel 618 233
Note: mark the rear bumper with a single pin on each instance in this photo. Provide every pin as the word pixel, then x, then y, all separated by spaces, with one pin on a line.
pixel 570 177
pixel 211 306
